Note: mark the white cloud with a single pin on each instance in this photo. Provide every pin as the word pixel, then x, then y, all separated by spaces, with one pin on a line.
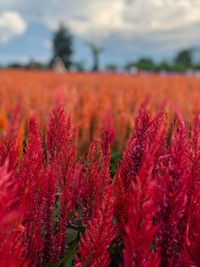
pixel 127 20
pixel 11 25
pixel 120 15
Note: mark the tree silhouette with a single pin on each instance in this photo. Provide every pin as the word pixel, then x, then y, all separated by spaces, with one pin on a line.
pixel 62 45
pixel 146 64
pixel 184 58
pixel 96 50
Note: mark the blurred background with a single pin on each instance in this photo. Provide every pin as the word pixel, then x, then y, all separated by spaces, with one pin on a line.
pixel 113 36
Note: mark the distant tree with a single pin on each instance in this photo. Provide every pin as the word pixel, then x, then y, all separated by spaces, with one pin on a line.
pixel 197 66
pixel 146 64
pixel 63 46
pixel 177 67
pixel 163 66
pixel 196 57
pixel 96 50
pixel 15 66
pixel 184 58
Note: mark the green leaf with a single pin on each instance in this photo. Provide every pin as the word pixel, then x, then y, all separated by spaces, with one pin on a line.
pixel 70 252
pixel 77 228
pixel 87 261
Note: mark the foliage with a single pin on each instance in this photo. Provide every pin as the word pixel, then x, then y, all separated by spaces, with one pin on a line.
pixel 184 58
pixel 145 64
pixel 62 45
pixel 95 50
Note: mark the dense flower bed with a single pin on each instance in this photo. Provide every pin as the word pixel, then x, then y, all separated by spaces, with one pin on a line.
pixel 87 97
pixel 61 208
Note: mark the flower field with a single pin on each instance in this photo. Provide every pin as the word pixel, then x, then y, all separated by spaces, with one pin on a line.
pixel 99 170
pixel 88 97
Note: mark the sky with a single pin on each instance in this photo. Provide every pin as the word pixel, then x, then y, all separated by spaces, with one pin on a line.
pixel 126 29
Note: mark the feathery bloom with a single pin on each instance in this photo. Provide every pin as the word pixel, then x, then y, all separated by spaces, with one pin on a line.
pixel 99 234
pixel 171 198
pixel 107 133
pixel 140 229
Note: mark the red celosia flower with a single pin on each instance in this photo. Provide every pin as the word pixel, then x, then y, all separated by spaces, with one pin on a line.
pixel 30 191
pixel 14 124
pixel 8 145
pixel 140 229
pixel 121 204
pixel 107 133
pixel 69 199
pixel 105 170
pixel 144 132
pixel 171 199
pixel 194 154
pixel 56 133
pixel 91 182
pixel 50 194
pixel 12 253
pixel 60 142
pixel 9 150
pixel 32 163
pixel 191 252
pixel 99 233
